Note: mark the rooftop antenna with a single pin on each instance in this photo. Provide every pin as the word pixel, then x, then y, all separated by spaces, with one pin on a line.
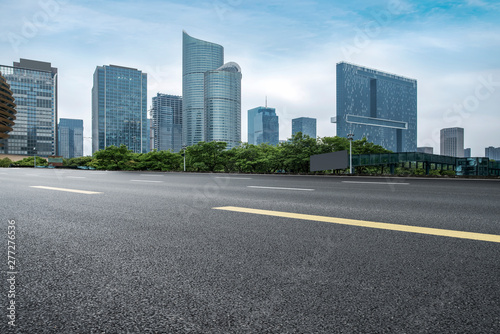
pixel 266 101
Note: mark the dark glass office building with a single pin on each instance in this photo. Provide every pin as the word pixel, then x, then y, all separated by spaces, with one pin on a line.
pixel 263 126
pixel 119 108
pixel 34 87
pixel 166 117
pixel 377 105
pixel 306 125
pixel 70 137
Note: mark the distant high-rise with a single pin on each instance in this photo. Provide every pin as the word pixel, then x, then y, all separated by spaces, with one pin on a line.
pixel 7 110
pixel 452 142
pixel 119 108
pixel 198 57
pixel 306 125
pixel 263 126
pixel 166 116
pixel 492 152
pixel 426 149
pixel 377 105
pixel 467 153
pixel 34 87
pixel 70 137
pixel 223 105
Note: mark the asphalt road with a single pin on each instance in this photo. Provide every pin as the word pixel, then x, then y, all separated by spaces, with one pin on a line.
pixel 148 253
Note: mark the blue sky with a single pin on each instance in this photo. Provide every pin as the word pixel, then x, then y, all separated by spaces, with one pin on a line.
pixel 287 51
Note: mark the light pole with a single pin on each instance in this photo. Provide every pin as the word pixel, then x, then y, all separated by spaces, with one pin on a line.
pixel 350 138
pixel 34 157
pixel 184 155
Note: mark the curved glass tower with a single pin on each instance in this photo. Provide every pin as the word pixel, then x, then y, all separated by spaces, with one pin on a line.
pixel 198 57
pixel 223 105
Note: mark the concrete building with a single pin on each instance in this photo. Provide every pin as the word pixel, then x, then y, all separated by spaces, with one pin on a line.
pixel 426 149
pixel 452 142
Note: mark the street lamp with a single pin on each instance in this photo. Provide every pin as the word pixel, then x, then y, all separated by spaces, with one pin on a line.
pixel 350 138
pixel 34 157
pixel 184 155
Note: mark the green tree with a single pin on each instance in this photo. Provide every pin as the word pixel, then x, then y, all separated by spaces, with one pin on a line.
pixel 296 153
pixel 113 158
pixel 159 160
pixel 77 161
pixel 30 161
pixel 206 156
pixel 5 162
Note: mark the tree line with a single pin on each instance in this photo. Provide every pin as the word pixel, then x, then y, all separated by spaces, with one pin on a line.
pixel 292 156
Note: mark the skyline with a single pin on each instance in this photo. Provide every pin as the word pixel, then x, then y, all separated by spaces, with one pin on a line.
pixel 288 52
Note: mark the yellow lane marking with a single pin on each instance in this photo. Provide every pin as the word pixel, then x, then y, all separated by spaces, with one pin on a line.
pixel 68 190
pixel 363 223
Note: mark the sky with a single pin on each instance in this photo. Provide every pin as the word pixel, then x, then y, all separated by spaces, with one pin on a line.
pixel 288 51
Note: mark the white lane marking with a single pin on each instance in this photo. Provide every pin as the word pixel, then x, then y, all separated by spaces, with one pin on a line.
pixel 68 190
pixel 368 182
pixel 145 181
pixel 75 177
pixel 280 188
pixel 233 177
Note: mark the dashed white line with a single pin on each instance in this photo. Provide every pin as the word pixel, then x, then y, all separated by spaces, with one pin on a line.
pixel 281 188
pixel 150 181
pixel 368 182
pixel 232 177
pixel 75 177
pixel 68 190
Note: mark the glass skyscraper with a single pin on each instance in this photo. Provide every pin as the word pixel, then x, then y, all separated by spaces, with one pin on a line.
pixel 70 137
pixel 306 125
pixel 198 57
pixel 166 117
pixel 263 126
pixel 452 142
pixel 223 105
pixel 377 105
pixel 34 88
pixel 119 108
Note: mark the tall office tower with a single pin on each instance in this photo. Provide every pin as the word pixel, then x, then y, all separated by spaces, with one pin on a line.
pixel 263 126
pixel 34 87
pixel 223 104
pixel 198 57
pixel 425 149
pixel 492 152
pixel 452 142
pixel 306 125
pixel 7 110
pixel 119 108
pixel 166 116
pixel 379 106
pixel 70 137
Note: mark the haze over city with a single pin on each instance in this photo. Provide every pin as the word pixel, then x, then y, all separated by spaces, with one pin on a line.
pixel 287 51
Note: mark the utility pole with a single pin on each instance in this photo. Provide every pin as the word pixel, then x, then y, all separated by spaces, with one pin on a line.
pixel 350 138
